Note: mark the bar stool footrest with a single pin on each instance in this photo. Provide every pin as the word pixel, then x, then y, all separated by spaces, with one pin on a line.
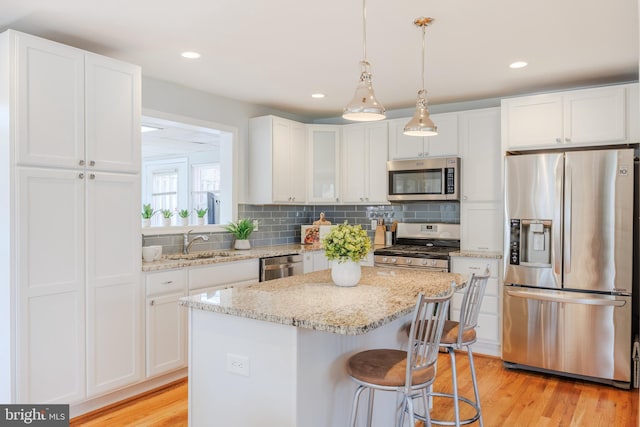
pixel 474 405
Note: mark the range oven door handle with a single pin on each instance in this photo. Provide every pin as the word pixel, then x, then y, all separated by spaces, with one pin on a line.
pixel 540 296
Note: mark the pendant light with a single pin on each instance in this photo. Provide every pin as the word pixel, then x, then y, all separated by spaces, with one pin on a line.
pixel 421 124
pixel 364 107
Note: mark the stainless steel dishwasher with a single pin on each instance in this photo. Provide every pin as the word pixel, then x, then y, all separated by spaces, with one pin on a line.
pixel 277 267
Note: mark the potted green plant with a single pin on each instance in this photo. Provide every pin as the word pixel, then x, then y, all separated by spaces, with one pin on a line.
pixel 166 217
pixel 184 217
pixel 346 245
pixel 201 215
pixel 147 213
pixel 241 231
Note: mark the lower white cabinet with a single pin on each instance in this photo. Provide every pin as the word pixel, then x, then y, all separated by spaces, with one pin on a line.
pixel 222 275
pixel 488 331
pixel 166 322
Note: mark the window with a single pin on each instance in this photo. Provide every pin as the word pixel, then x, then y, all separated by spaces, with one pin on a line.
pixel 205 189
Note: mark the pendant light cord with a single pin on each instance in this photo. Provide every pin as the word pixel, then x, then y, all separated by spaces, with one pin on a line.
pixel 364 29
pixel 424 31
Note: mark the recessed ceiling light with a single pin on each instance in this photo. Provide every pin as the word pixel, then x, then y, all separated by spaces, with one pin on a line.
pixel 317 95
pixel 518 64
pixel 190 55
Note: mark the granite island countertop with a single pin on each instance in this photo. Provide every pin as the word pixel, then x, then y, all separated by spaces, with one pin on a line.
pixel 312 301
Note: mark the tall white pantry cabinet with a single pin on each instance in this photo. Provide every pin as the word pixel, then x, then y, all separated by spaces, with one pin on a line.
pixel 71 325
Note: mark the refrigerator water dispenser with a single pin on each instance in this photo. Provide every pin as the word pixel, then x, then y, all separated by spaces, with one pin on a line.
pixel 530 242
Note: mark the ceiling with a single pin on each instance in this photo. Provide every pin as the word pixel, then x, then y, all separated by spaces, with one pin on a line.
pixel 277 53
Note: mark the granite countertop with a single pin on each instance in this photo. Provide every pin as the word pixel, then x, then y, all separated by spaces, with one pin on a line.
pixel 312 301
pixel 476 254
pixel 224 255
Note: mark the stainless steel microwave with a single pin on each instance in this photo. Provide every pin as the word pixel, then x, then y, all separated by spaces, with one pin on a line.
pixel 437 178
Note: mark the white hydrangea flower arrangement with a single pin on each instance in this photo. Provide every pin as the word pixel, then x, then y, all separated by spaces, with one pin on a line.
pixel 347 243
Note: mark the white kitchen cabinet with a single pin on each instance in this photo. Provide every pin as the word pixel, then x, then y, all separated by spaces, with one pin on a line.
pixel 445 143
pixel 70 265
pixel 75 108
pixel 166 322
pixel 596 116
pixel 481 173
pixel 208 277
pixel 51 291
pixel 115 344
pixel 277 161
pixel 323 164
pixel 364 163
pixel 488 330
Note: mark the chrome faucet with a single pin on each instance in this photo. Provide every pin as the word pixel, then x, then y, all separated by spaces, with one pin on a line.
pixel 188 242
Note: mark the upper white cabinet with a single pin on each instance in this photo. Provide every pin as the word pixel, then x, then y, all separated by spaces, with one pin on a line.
pixel 596 116
pixel 481 202
pixel 277 161
pixel 364 163
pixel 445 143
pixel 70 138
pixel 323 154
pixel 75 108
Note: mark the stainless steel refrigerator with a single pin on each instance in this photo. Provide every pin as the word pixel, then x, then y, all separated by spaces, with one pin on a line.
pixel 568 273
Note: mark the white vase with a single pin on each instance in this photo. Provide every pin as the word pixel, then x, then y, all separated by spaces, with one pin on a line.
pixel 242 244
pixel 146 222
pixel 346 273
pixel 166 222
pixel 200 220
pixel 184 221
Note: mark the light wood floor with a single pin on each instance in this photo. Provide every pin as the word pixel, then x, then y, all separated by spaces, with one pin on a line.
pixel 509 398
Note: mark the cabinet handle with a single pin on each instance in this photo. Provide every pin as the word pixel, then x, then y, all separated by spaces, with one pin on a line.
pixel 568 139
pixel 168 282
pixel 80 175
pixel 474 268
pixel 92 163
pixel 92 176
pixel 152 302
pixel 425 154
pixel 483 248
pixel 559 140
pixel 81 162
pixel 337 199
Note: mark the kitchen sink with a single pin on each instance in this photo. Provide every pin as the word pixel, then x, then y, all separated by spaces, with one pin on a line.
pixel 199 255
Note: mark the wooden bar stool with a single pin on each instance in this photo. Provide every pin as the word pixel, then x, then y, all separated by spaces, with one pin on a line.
pixel 462 334
pixel 409 373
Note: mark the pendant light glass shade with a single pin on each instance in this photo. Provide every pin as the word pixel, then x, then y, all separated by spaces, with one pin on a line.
pixel 364 107
pixel 421 123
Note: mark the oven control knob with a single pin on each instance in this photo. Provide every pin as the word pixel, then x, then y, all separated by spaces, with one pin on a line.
pixel 408 262
pixel 434 262
pixel 385 259
pixel 394 260
pixel 425 261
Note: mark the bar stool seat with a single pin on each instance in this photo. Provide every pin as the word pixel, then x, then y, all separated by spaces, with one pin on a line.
pixel 407 372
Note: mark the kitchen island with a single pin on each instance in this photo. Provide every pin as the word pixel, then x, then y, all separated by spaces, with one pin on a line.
pixel 274 353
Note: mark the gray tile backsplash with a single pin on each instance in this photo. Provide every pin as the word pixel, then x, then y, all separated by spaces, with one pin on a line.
pixel 280 224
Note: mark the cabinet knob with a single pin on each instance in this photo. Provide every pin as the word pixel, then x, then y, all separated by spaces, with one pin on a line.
pixel 81 162
pixel 337 199
pixel 568 139
pixel 80 175
pixel 92 163
pixel 92 176
pixel 465 197
pixel 152 302
pixel 559 140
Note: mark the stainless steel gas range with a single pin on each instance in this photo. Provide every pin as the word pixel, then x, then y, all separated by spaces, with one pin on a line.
pixel 420 245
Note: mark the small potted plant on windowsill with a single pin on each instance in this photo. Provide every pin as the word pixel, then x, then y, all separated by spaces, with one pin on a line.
pixel 166 217
pixel 241 231
pixel 184 217
pixel 201 215
pixel 147 213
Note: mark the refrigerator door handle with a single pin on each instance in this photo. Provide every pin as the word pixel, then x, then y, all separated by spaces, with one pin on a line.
pixel 565 299
pixel 557 227
pixel 567 219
